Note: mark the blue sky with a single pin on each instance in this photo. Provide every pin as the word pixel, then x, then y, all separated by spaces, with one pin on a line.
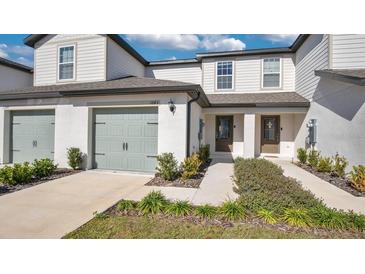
pixel 164 46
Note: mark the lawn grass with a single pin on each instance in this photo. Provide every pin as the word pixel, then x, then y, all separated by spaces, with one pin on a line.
pixel 147 227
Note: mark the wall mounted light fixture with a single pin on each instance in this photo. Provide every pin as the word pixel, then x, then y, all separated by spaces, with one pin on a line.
pixel 172 106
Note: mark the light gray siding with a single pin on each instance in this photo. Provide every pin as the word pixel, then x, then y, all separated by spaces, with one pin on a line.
pixel 11 78
pixel 348 51
pixel 311 56
pixel 120 63
pixel 247 74
pixel 190 73
pixel 90 58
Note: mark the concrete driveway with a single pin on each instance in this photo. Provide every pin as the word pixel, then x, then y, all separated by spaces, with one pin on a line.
pixel 52 209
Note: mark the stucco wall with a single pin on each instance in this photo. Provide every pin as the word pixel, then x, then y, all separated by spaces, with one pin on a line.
pixel 73 122
pixel 196 115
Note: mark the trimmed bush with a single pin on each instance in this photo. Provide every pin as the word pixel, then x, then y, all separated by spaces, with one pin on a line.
pixel 357 177
pixel 179 208
pixel 6 175
pixel 232 211
pixel 74 156
pixel 302 155
pixel 204 153
pixel 43 168
pixel 325 164
pixel 22 173
pixel 190 166
pixel 155 202
pixel 297 217
pixel 313 158
pixel 340 164
pixel 206 211
pixel 261 184
pixel 167 166
pixel 267 215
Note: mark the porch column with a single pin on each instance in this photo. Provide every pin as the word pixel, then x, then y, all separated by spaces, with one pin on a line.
pixel 249 136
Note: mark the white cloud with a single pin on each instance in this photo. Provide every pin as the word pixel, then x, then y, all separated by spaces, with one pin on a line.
pixel 166 41
pixel 21 50
pixel 216 42
pixel 16 53
pixel 278 38
pixel 220 42
pixel 24 61
pixel 172 58
pixel 3 53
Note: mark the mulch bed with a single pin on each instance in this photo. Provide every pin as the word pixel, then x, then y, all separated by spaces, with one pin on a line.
pixel 342 183
pixel 189 183
pixel 59 173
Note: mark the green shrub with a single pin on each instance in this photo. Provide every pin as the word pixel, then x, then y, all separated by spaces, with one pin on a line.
pixel 313 158
pixel 261 184
pixel 204 153
pixel 206 211
pixel 357 177
pixel 302 155
pixel 232 211
pixel 22 173
pixel 179 208
pixel 74 156
pixel 328 218
pixel 6 175
pixel 190 166
pixel 155 202
pixel 339 166
pixel 356 221
pixel 126 205
pixel 325 164
pixel 297 217
pixel 267 215
pixel 167 166
pixel 43 168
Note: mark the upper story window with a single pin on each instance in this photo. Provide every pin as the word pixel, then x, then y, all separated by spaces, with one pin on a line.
pixel 66 63
pixel 224 75
pixel 271 72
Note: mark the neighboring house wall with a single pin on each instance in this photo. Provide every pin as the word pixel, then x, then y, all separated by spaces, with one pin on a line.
pixel 348 51
pixel 311 56
pixel 248 74
pixel 90 58
pixel 120 63
pixel 11 78
pixel 190 73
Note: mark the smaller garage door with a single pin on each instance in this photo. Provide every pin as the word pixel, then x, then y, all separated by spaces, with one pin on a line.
pixel 126 138
pixel 32 135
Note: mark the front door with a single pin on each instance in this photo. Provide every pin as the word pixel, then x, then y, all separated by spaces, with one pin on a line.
pixel 224 134
pixel 270 134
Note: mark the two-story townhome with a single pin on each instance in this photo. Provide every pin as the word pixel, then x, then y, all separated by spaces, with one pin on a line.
pixel 95 92
pixel 14 75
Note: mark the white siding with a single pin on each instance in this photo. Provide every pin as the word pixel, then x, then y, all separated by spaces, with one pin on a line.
pixel 11 78
pixel 90 58
pixel 311 56
pixel 247 74
pixel 348 51
pixel 120 63
pixel 190 73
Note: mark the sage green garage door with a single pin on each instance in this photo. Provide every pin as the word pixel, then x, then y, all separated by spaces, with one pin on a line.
pixel 32 135
pixel 125 138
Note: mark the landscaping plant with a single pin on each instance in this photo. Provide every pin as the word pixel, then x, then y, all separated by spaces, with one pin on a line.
pixel 297 217
pixel 167 166
pixel 155 202
pixel 43 168
pixel 190 166
pixel 232 211
pixel 6 175
pixel 22 173
pixel 204 153
pixel 339 166
pixel 74 156
pixel 179 208
pixel 302 155
pixel 357 177
pixel 313 158
pixel 267 215
pixel 325 164
pixel 206 211
pixel 126 205
pixel 328 218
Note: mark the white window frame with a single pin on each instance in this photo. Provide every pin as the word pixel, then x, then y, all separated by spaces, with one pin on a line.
pixel 74 63
pixel 216 75
pixel 280 73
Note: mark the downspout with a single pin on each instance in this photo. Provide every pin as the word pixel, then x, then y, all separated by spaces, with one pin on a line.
pixel 188 122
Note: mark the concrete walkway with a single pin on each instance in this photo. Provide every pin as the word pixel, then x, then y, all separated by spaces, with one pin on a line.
pixel 332 196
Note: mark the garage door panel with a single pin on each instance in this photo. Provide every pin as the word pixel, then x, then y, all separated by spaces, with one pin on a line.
pixel 150 130
pixel 134 130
